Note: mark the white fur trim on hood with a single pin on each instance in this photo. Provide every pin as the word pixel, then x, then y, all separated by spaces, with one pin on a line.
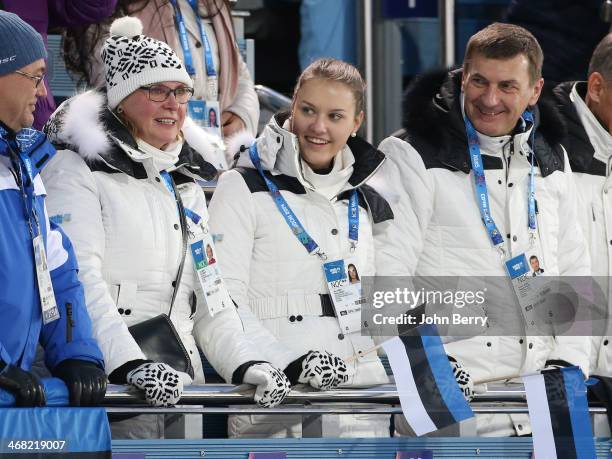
pixel 78 123
pixel 210 146
pixel 237 143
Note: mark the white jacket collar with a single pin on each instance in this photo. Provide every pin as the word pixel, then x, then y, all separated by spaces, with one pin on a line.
pixel 278 150
pixel 600 138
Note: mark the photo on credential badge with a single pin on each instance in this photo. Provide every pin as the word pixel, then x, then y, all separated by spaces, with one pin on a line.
pixel 536 264
pixel 212 121
pixel 210 254
pixel 352 274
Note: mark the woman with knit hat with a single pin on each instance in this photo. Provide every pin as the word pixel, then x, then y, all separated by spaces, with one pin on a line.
pixel 124 188
pixel 201 33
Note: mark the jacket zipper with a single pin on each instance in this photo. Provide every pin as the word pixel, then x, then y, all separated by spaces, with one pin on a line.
pixel 69 322
pixel 510 145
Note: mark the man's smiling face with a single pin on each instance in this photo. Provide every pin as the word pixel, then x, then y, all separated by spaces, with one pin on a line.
pixel 497 92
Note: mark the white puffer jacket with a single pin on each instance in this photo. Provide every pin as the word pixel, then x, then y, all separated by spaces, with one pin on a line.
pixel 589 148
pixel 123 221
pixel 443 230
pixel 269 272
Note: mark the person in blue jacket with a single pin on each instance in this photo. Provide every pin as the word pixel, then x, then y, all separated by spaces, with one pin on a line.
pixel 41 298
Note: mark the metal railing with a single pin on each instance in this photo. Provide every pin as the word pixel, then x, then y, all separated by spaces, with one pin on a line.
pixel 229 399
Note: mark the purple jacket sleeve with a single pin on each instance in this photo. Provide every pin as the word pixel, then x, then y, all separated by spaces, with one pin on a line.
pixel 72 13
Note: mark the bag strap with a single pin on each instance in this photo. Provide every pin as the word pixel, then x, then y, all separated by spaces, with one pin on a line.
pixel 183 222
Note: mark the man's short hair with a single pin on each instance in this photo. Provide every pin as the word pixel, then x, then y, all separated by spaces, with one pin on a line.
pixel 601 61
pixel 505 41
pixel 533 257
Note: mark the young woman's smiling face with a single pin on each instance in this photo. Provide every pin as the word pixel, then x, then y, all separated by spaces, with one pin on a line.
pixel 323 117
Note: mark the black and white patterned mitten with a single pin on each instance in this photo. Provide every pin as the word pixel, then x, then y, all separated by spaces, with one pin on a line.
pixel 463 379
pixel 272 386
pixel 161 383
pixel 321 369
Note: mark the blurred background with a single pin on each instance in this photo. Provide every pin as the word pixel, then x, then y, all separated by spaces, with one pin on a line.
pixel 390 41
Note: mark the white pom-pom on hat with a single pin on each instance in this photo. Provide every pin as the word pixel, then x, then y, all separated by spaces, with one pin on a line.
pixel 126 26
pixel 132 60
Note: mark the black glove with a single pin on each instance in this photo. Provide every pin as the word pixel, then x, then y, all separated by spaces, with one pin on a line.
pixel 26 387
pixel 85 380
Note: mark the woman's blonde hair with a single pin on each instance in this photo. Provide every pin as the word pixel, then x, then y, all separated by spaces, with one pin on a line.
pixel 335 70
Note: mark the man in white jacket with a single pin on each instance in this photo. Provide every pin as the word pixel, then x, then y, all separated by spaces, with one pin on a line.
pixel 586 107
pixel 437 175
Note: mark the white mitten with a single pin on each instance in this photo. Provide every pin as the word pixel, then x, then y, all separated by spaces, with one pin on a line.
pixel 272 386
pixel 463 379
pixel 161 383
pixel 323 370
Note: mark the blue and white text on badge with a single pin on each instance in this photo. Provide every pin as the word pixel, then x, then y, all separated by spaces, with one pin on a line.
pixel 197 250
pixel 197 110
pixel 517 266
pixel 334 270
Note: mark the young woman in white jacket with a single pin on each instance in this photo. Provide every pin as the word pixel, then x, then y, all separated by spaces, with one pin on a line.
pixel 123 186
pixel 273 261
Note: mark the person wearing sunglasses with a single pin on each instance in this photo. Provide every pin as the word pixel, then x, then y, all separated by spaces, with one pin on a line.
pixel 124 188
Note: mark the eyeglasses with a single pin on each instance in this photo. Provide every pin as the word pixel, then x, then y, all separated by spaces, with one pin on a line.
pixel 159 93
pixel 36 79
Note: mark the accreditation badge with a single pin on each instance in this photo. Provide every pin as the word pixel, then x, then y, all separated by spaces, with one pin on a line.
pixel 526 273
pixel 49 309
pixel 344 287
pixel 207 269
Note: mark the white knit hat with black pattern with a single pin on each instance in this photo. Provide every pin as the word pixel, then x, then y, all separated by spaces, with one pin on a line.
pixel 132 60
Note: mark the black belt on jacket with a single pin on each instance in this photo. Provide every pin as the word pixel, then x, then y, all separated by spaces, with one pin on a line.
pixel 327 307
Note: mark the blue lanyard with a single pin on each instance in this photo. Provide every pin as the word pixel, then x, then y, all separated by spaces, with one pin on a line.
pixel 168 182
pixel 294 223
pixel 188 212
pixel 26 187
pixel 353 219
pixel 531 206
pixel 182 29
pixel 482 194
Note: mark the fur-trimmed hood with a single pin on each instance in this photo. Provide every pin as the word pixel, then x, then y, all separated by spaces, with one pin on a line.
pixel 85 125
pixel 433 122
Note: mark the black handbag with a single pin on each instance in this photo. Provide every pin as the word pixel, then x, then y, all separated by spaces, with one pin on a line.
pixel 157 337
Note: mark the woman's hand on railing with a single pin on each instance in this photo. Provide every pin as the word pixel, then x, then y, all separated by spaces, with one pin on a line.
pixel 321 369
pixel 160 382
pixel 272 386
